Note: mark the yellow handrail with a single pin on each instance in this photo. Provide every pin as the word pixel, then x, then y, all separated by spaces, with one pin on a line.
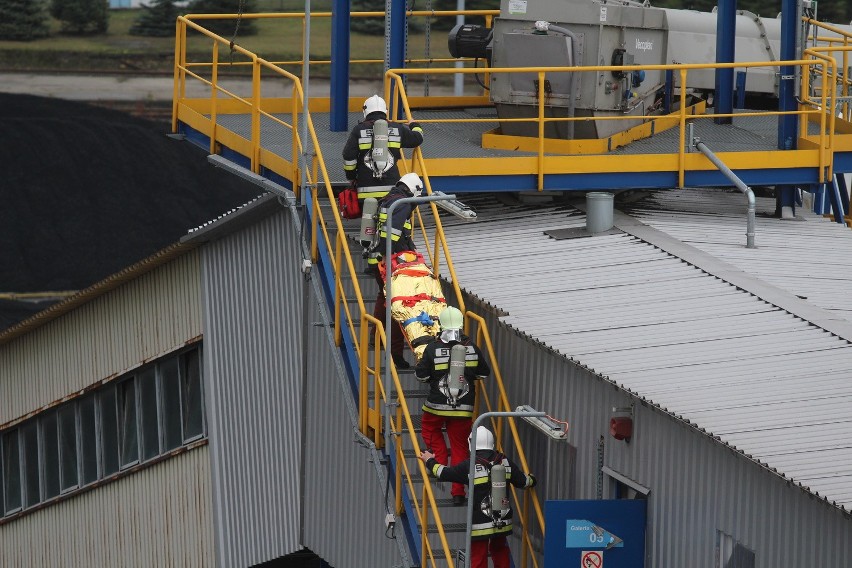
pixel 336 243
pixel 808 107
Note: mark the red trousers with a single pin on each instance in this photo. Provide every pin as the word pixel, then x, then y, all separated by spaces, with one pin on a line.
pixel 497 546
pixel 458 429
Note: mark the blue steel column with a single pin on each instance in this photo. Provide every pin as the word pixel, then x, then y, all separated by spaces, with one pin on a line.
pixel 726 32
pixel 396 49
pixel 339 111
pixel 788 125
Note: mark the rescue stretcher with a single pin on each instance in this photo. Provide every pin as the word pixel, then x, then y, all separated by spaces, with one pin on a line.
pixel 417 299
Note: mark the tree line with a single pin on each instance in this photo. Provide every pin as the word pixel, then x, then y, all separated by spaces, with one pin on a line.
pixel 27 20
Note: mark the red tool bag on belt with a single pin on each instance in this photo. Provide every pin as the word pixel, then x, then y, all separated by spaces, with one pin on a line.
pixel 347 202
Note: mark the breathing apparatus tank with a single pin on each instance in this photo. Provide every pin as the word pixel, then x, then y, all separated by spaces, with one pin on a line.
pixel 368 221
pixel 379 156
pixel 499 498
pixel 457 385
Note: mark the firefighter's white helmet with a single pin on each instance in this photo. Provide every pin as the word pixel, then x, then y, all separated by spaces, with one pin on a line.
pixel 484 439
pixel 451 318
pixel 413 182
pixel 375 104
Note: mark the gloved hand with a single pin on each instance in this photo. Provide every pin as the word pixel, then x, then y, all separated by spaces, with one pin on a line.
pixel 413 124
pixel 531 480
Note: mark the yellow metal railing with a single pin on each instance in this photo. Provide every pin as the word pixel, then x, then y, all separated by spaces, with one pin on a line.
pixel 364 63
pixel 331 234
pixel 840 43
pixel 810 108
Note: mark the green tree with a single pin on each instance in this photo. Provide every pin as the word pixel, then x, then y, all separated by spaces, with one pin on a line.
pixel 156 20
pixel 81 17
pixel 23 20
pixel 230 27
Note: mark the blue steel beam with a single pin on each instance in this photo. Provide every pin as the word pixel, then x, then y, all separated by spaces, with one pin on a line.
pixel 339 88
pixel 396 49
pixel 788 125
pixel 726 33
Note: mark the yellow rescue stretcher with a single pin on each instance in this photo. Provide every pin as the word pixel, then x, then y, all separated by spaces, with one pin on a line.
pixel 417 299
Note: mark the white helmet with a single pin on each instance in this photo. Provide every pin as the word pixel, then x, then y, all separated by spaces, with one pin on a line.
pixel 413 182
pixel 375 104
pixel 484 439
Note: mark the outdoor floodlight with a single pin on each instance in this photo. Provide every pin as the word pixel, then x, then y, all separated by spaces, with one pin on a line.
pixel 456 207
pixel 555 430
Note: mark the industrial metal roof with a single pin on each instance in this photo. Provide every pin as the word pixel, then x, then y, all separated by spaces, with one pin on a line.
pixel 751 345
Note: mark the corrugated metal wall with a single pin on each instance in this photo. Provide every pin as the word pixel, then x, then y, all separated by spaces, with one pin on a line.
pixel 158 516
pixel 139 321
pixel 697 486
pixel 266 355
pixel 253 297
pixel 344 511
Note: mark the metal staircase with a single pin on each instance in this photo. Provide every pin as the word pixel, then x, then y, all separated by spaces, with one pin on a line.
pixel 424 515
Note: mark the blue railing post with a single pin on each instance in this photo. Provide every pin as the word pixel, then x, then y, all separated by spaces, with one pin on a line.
pixel 726 32
pixel 339 88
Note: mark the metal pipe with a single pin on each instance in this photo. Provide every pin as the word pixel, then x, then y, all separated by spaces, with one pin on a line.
pixel 472 461
pixel 701 147
pixel 306 97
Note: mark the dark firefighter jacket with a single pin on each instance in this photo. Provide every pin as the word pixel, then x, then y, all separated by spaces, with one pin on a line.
pixel 434 367
pixel 483 526
pixel 401 227
pixel 357 150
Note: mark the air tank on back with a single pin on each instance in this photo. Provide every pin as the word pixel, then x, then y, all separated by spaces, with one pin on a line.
pixel 556 33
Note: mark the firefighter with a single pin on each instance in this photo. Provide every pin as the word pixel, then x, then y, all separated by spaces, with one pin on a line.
pixel 451 374
pixel 375 170
pixel 409 185
pixel 492 515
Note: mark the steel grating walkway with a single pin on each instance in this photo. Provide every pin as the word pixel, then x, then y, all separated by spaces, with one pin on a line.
pixel 462 140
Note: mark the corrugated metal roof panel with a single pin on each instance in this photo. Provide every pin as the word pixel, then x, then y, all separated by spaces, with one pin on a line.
pixel 758 374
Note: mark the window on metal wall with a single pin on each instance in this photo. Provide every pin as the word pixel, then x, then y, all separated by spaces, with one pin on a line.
pixel 11 456
pixel 31 481
pixel 128 433
pixel 88 439
pixel 134 419
pixel 732 554
pixel 68 473
pixel 150 432
pixel 193 402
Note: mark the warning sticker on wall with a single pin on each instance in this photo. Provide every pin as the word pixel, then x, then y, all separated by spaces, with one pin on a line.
pixel 591 559
pixel 603 13
pixel 517 6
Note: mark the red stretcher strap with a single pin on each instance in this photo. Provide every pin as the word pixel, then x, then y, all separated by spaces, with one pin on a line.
pixel 409 301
